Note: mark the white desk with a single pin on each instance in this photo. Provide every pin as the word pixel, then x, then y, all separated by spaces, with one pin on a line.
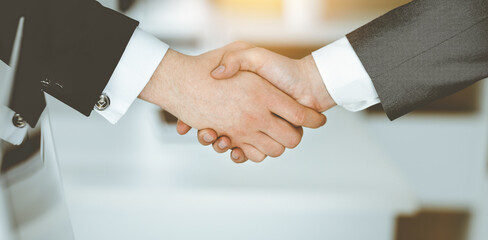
pixel 152 189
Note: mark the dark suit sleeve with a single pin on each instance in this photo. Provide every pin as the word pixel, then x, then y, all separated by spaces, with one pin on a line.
pixel 70 49
pixel 424 51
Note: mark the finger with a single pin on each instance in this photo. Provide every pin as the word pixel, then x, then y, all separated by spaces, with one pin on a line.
pixel 300 130
pixel 207 136
pixel 222 144
pixel 235 46
pixel 238 156
pixel 282 132
pixel 182 128
pixel 267 145
pixel 295 113
pixel 253 153
pixel 232 62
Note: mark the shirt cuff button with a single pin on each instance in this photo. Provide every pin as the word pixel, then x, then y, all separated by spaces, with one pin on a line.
pixel 102 103
pixel 18 121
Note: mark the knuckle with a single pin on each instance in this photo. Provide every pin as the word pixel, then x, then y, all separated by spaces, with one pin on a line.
pixel 250 118
pixel 241 44
pixel 231 57
pixel 259 50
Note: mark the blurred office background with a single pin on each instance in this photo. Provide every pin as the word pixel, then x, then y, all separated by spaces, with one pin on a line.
pixel 423 176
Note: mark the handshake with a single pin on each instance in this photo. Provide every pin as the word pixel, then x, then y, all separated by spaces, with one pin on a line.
pixel 241 97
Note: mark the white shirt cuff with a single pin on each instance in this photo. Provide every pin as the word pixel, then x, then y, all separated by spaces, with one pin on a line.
pixel 345 77
pixel 9 132
pixel 138 63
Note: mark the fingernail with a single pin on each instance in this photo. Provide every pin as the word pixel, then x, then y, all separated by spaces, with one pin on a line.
pixel 222 145
pixel 207 138
pixel 219 70
pixel 235 156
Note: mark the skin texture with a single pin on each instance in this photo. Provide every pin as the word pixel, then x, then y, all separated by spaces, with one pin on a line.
pixel 245 108
pixel 300 79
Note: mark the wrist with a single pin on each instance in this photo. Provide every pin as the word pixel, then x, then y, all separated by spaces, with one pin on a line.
pixel 317 92
pixel 162 88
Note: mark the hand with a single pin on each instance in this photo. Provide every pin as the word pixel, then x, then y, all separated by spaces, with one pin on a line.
pixel 245 108
pixel 219 144
pixel 298 78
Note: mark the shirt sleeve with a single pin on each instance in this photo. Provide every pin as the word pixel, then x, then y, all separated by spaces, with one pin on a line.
pixel 345 77
pixel 9 132
pixel 139 61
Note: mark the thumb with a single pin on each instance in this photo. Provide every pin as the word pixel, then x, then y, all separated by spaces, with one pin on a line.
pixel 226 70
pixel 223 72
pixel 235 61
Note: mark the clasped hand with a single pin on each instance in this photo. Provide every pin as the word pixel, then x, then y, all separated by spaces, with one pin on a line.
pixel 257 111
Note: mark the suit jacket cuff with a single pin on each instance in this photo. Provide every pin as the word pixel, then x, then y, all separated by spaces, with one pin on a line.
pixel 345 77
pixel 139 61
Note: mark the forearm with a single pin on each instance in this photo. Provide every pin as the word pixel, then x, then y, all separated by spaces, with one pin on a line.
pixel 423 51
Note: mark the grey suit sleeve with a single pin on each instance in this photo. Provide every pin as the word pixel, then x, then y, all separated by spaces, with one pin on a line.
pixel 423 51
